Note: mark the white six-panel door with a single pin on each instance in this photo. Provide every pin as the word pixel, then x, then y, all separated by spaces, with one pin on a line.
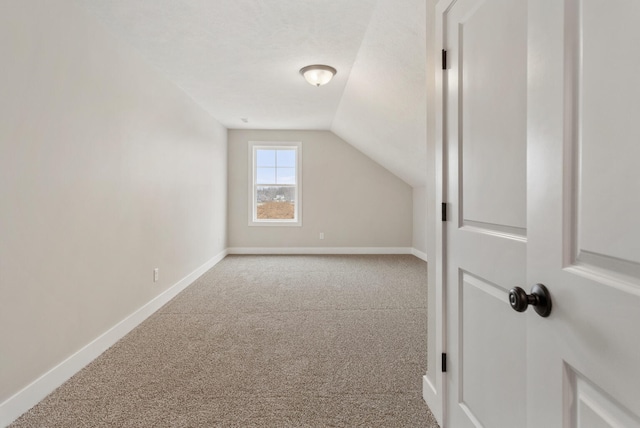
pixel 541 145
pixel 584 212
pixel 485 88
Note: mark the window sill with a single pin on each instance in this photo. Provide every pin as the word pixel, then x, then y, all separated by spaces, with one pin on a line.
pixel 275 223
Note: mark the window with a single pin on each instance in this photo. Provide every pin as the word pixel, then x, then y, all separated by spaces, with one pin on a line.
pixel 274 184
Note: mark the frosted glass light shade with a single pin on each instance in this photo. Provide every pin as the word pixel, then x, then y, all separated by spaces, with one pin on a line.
pixel 318 75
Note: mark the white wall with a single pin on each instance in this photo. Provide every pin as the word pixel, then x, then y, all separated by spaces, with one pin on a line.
pixel 382 111
pixel 106 171
pixel 346 195
pixel 420 219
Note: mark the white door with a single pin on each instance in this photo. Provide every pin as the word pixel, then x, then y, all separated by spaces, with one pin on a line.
pixel 584 212
pixel 484 88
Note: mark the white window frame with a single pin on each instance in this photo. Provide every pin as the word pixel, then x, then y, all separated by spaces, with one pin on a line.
pixel 272 145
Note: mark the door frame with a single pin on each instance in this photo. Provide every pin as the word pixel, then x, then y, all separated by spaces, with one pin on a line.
pixel 434 390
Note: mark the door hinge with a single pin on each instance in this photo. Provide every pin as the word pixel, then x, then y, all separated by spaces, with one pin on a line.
pixel 444 59
pixel 444 362
pixel 444 211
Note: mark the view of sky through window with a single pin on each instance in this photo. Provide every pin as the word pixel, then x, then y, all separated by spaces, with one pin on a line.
pixel 275 166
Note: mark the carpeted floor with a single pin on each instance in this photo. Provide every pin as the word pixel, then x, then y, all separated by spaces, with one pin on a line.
pixel 266 341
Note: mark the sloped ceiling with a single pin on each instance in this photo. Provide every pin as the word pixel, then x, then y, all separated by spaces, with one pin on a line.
pixel 240 59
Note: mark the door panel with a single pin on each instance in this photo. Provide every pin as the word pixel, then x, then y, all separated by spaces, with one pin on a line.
pixel 494 116
pixel 483 331
pixel 589 406
pixel 485 138
pixel 607 144
pixel 583 206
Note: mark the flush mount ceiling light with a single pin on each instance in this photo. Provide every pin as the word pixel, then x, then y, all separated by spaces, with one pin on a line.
pixel 318 75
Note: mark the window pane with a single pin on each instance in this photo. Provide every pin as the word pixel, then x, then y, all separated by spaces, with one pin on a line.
pixel 265 157
pixel 286 175
pixel 286 158
pixel 275 203
pixel 265 175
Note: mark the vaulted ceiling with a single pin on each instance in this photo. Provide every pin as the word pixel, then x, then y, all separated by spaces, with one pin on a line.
pixel 239 59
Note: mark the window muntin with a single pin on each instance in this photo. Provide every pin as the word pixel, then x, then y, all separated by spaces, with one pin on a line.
pixel 274 184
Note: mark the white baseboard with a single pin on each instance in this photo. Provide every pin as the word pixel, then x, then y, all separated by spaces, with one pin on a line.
pixel 33 393
pixel 419 254
pixel 320 250
pixel 432 398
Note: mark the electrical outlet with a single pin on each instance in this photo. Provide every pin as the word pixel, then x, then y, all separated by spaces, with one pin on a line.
pixel 156 274
pixel 321 235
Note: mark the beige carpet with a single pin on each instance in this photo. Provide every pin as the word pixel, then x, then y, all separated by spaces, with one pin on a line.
pixel 266 341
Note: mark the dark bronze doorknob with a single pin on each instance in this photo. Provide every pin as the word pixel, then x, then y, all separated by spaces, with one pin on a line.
pixel 539 298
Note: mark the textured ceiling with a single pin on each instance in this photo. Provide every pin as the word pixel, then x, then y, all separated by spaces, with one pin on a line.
pixel 240 59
